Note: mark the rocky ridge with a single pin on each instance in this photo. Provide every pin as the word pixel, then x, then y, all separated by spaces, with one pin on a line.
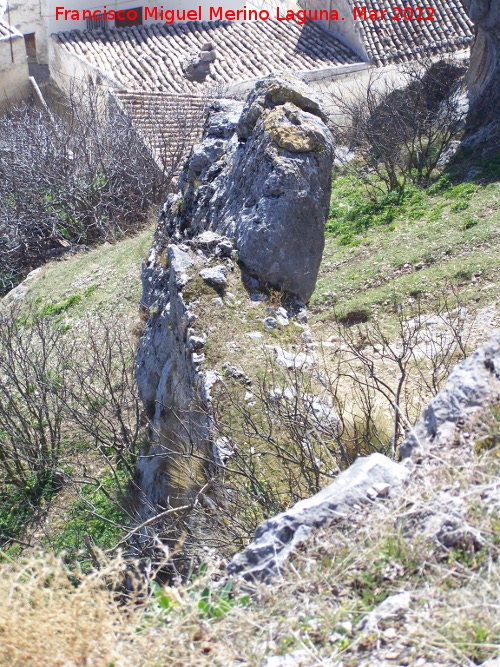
pixel 484 73
pixel 256 191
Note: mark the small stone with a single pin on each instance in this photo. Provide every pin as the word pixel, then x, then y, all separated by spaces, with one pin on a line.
pixel 381 489
pixel 215 276
pixel 224 248
pixel 254 335
pixel 198 358
pixel 395 606
pixel 270 322
pixel 182 280
pixel 290 360
pixel 218 301
pixel 301 316
pixel 284 321
pixel 236 373
pixel 345 627
pixel 281 311
pixel 197 342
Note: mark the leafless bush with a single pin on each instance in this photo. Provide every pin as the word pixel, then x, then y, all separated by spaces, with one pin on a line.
pixel 86 175
pixel 402 370
pixel 69 408
pixel 290 433
pixel 35 363
pixel 401 133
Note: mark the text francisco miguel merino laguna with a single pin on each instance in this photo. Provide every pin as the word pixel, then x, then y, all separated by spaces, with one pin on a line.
pixel 170 16
pixel 219 13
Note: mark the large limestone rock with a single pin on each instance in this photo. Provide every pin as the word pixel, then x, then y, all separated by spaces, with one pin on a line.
pixel 262 176
pixel 171 386
pixel 471 387
pixel 276 538
pixel 261 180
pixel 484 73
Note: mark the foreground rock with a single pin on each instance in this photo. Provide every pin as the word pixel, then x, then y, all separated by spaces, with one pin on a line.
pixel 277 537
pixel 261 176
pixel 472 387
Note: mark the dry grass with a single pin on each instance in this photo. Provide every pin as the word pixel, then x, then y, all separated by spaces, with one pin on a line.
pixel 51 616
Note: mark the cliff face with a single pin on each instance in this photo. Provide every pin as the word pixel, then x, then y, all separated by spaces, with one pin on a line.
pixel 255 190
pixel 484 73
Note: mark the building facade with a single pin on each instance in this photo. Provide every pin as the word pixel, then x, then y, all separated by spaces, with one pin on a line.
pixel 14 77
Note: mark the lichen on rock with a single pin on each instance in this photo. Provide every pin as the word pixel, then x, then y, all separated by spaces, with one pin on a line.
pixel 262 176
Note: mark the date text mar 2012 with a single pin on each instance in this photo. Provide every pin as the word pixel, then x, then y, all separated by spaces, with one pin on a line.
pixel 396 13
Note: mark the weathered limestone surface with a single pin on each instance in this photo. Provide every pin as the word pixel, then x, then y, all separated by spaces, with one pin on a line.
pixel 170 384
pixel 261 180
pixel 484 72
pixel 276 538
pixel 471 386
pixel 262 176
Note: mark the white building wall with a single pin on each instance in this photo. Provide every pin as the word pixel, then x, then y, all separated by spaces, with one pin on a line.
pixel 31 16
pixel 346 30
pixel 68 69
pixel 14 77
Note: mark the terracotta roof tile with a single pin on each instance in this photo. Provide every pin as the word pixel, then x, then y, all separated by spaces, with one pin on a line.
pixel 389 41
pixel 149 57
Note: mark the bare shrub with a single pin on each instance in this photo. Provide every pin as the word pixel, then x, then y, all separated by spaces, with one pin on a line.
pixel 35 363
pixel 81 177
pixel 290 433
pixel 69 412
pixel 401 133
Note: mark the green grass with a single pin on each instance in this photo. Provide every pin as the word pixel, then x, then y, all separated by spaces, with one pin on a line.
pixel 381 251
pixel 97 513
pixel 105 279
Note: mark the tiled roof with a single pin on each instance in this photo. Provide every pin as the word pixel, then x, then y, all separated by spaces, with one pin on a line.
pixel 389 40
pixel 169 123
pixel 7 31
pixel 149 57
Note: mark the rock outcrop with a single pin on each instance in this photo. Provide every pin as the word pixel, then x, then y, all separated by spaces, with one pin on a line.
pixel 262 176
pixel 171 386
pixel 260 181
pixel 484 72
pixel 275 539
pixel 472 387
